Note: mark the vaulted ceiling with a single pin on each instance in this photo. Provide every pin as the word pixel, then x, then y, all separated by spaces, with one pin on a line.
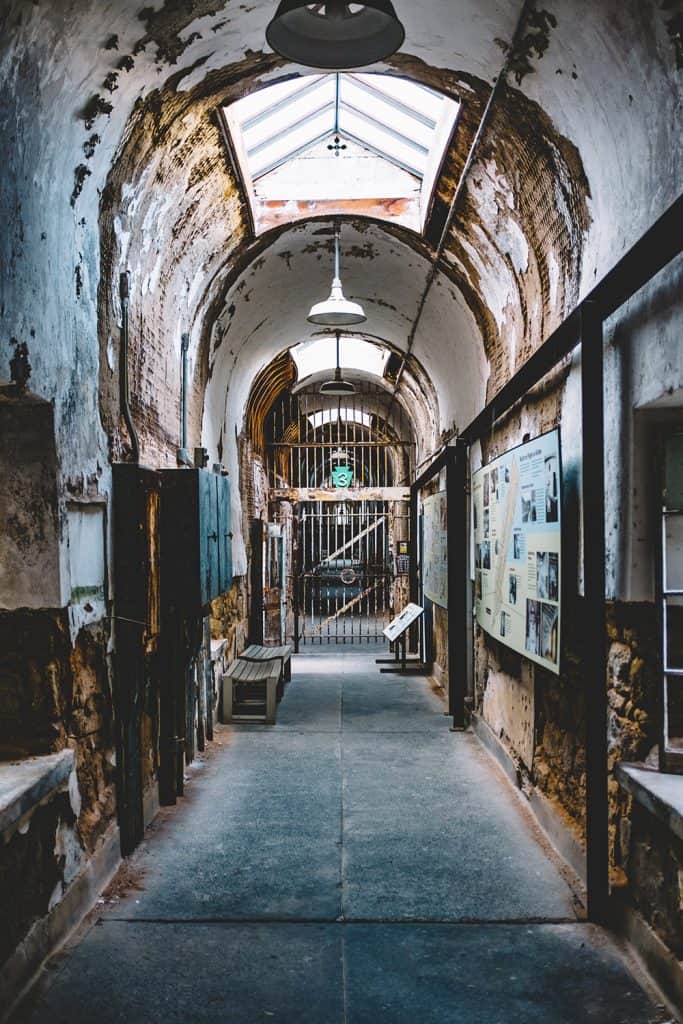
pixel 115 159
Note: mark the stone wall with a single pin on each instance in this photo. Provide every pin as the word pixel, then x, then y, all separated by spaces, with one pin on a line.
pixel 52 696
pixel 34 866
pixel 654 868
pixel 229 618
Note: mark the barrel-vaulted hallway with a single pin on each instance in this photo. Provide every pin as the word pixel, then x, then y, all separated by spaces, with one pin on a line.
pixel 316 317
pixel 354 863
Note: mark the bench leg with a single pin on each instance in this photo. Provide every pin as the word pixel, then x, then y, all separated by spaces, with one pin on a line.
pixel 271 700
pixel 227 698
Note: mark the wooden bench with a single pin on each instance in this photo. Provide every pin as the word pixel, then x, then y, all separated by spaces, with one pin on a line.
pixel 250 691
pixel 258 653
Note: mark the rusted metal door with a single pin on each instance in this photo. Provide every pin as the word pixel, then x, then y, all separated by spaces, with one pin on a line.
pixel 136 633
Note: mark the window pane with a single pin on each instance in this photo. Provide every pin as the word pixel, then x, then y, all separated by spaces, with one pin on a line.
pixel 294 114
pixel 256 102
pixel 673 621
pixel 674 696
pixel 282 148
pixel 673 471
pixel 383 141
pixel 673 556
pixel 374 106
pixel 411 94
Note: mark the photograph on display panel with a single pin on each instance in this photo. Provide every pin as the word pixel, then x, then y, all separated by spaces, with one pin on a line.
pixel 517 512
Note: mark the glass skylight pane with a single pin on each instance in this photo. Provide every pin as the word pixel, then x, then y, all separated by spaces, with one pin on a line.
pixel 325 416
pixel 394 117
pixel 354 353
pixel 386 143
pixel 281 135
pixel 413 95
pixel 286 145
pixel 256 102
pixel 293 113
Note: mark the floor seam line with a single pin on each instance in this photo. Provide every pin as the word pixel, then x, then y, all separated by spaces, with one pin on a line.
pixel 344 921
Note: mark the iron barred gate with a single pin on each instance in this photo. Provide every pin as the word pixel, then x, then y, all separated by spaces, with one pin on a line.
pixel 344 585
pixel 343 466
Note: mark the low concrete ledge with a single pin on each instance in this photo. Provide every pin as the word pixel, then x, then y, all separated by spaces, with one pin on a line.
pixel 48 933
pixel 653 954
pixel 660 794
pixel 24 784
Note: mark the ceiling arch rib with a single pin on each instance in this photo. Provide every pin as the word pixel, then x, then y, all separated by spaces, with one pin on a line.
pixel 264 311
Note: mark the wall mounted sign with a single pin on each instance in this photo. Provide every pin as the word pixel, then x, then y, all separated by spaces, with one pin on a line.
pixel 342 476
pixel 517 543
pixel 435 549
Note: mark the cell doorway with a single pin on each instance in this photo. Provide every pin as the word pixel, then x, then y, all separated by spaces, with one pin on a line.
pixel 338 473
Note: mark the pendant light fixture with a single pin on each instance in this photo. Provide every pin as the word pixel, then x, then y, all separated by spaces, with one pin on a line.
pixel 335 34
pixel 336 311
pixel 338 386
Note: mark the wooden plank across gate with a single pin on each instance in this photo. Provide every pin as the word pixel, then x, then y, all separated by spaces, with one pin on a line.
pixel 337 494
pixel 347 607
pixel 380 521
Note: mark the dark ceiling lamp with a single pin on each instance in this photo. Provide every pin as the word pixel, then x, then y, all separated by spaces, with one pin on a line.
pixel 336 311
pixel 335 35
pixel 337 386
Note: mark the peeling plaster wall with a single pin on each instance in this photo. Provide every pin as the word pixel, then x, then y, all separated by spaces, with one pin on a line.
pixel 112 161
pixel 130 61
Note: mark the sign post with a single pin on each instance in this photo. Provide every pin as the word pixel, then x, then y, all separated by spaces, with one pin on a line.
pixel 396 633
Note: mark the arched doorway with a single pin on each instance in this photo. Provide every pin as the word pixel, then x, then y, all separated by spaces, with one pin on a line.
pixel 335 557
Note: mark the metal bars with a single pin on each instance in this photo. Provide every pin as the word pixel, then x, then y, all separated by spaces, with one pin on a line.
pixel 594 622
pixel 345 578
pixel 454 460
pixel 458 580
pixel 309 436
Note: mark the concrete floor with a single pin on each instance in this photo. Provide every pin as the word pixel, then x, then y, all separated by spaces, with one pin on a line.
pixel 355 863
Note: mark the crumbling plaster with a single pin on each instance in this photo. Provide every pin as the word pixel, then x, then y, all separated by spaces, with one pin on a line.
pixel 112 162
pixel 123 56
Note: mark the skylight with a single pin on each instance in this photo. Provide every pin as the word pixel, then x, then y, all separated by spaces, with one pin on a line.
pixel 325 416
pixel 330 140
pixel 354 353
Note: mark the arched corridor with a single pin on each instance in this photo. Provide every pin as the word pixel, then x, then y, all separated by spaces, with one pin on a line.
pixel 341 564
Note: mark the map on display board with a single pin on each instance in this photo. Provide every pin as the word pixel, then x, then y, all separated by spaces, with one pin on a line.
pixel 516 509
pixel 434 546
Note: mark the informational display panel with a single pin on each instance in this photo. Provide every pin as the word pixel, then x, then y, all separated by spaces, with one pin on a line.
pixel 400 624
pixel 517 511
pixel 435 559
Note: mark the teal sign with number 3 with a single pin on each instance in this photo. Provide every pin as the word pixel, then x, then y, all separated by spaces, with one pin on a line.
pixel 342 476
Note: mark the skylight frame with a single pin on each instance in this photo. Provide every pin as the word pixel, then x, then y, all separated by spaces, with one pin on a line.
pixel 334 413
pixel 318 354
pixel 337 107
pixel 404 123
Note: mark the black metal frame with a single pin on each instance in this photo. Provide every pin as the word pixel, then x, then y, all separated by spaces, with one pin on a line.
pixel 661 244
pixel 670 761
pixel 454 459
